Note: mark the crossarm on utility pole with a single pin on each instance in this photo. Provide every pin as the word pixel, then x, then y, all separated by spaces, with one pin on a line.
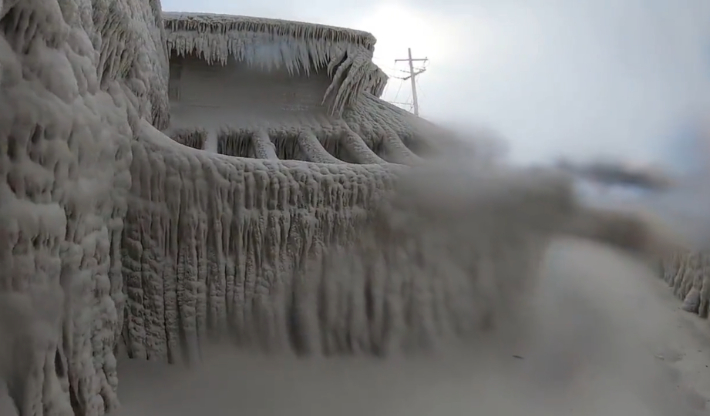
pixel 412 76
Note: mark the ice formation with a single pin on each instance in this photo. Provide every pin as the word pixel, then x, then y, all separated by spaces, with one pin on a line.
pixel 77 77
pixel 268 44
pixel 688 274
pixel 112 232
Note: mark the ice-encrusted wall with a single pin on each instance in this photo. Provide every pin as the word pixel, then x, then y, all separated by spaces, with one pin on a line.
pixel 227 245
pixel 285 256
pixel 270 44
pixel 688 274
pixel 235 95
pixel 76 77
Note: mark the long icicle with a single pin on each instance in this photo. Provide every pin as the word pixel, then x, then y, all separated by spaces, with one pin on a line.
pixel 299 48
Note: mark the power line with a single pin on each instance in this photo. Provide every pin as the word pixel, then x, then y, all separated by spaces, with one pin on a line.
pixel 417 82
pixel 406 106
pixel 412 77
pixel 384 90
pixel 398 90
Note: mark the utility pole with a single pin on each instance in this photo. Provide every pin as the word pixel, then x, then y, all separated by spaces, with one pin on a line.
pixel 412 75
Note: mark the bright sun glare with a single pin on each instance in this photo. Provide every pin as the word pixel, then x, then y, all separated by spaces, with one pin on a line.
pixel 398 27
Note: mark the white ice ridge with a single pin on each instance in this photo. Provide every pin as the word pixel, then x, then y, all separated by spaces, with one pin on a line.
pixel 268 44
pixel 686 273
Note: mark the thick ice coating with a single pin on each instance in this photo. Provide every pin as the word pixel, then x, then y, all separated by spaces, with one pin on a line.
pixel 111 232
pixel 687 274
pixel 77 77
pixel 237 83
pixel 346 54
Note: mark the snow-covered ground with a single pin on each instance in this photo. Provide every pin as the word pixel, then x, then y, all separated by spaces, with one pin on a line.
pixel 608 338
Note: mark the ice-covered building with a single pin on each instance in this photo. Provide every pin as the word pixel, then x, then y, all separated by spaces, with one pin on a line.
pixel 295 237
pixel 266 88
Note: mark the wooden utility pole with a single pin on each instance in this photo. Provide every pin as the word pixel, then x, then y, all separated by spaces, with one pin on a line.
pixel 412 75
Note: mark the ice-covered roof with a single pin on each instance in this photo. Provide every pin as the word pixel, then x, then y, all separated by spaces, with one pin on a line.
pixel 301 48
pixel 220 23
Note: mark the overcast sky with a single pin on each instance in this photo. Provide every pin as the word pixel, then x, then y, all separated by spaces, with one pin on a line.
pixel 573 78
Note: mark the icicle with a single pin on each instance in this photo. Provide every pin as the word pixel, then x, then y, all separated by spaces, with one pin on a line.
pixel 263 146
pixel 313 149
pixel 275 44
pixel 210 144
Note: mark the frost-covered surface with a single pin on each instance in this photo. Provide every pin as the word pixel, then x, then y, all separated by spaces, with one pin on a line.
pixel 76 78
pixel 268 44
pixel 688 274
pixel 223 242
pixel 233 102
pixel 335 144
pixel 339 258
pixel 239 74
pixel 110 230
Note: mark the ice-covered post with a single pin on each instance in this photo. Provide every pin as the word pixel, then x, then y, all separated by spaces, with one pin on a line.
pixel 211 141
